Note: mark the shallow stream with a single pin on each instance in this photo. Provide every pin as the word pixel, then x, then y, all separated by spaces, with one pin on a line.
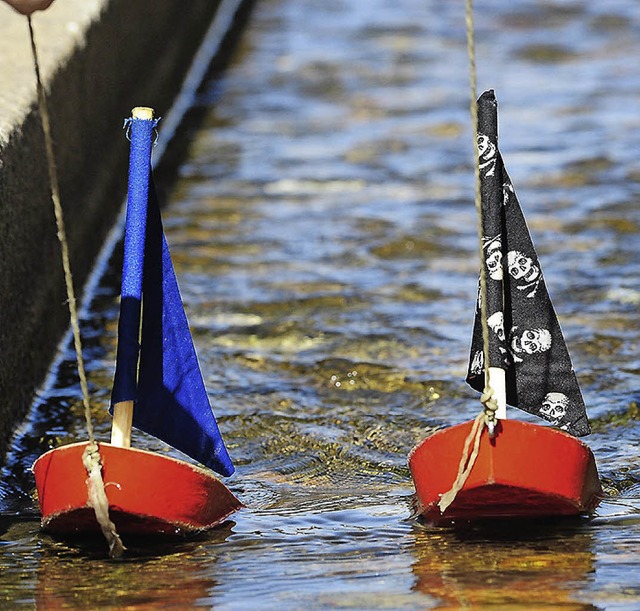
pixel 323 231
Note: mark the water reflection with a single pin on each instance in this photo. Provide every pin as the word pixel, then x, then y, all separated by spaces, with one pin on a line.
pixel 498 564
pixel 323 230
pixel 150 577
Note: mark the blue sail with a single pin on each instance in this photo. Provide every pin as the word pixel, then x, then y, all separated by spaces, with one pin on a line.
pixel 156 364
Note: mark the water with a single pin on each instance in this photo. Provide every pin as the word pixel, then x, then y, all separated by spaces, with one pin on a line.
pixel 323 231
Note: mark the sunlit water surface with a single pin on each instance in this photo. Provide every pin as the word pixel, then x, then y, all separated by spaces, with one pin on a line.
pixel 323 231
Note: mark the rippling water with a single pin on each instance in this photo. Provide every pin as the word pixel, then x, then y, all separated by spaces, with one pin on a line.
pixel 323 231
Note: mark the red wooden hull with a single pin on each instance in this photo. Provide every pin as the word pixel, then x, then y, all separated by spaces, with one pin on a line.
pixel 525 471
pixel 148 494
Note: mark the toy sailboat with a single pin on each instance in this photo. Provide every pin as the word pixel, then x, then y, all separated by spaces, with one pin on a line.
pixel 158 387
pixel 517 469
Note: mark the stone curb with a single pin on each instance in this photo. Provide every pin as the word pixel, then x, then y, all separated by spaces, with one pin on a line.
pixel 99 59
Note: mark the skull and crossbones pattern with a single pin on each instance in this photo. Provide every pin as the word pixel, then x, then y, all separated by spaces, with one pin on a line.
pixel 507 192
pixel 524 271
pixel 493 256
pixel 477 363
pixel 554 407
pixel 488 155
pixel 528 342
pixel 496 324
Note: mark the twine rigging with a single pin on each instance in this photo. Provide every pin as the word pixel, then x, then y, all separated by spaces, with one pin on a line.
pixel 91 457
pixel 487 417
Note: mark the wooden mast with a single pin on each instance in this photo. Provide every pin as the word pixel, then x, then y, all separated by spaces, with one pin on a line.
pixel 497 382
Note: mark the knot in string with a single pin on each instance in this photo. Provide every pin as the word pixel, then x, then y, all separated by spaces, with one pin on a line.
pixel 487 417
pixel 490 404
pixel 127 127
pixel 98 498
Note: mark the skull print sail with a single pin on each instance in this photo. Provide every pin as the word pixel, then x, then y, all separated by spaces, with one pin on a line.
pixel 524 335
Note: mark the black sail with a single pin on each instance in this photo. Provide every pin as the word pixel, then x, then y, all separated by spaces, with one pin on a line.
pixel 524 335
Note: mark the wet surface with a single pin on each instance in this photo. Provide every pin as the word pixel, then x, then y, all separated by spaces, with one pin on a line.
pixel 323 231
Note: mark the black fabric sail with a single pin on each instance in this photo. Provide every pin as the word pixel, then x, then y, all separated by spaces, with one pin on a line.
pixel 525 337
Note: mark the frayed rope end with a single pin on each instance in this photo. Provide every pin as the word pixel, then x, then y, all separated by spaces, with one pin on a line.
pixel 98 499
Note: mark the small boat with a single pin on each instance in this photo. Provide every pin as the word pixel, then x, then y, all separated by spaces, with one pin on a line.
pixel 492 467
pixel 158 388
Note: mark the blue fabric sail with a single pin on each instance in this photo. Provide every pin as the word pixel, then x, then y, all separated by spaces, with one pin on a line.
pixel 156 364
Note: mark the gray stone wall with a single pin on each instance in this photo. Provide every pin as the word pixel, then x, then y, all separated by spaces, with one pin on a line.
pixel 99 59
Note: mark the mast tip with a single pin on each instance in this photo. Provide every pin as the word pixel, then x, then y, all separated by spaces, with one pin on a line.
pixel 142 112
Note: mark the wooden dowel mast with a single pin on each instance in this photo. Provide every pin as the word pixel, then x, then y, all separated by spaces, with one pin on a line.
pixel 142 112
pixel 123 411
pixel 121 425
pixel 498 382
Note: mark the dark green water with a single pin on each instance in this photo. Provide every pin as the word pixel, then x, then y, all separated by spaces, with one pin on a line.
pixel 323 231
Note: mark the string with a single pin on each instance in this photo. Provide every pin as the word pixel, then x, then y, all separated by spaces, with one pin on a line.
pixel 62 237
pixel 488 415
pixel 473 108
pixel 91 457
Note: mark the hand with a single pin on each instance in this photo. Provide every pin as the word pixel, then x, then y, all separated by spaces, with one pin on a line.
pixel 26 7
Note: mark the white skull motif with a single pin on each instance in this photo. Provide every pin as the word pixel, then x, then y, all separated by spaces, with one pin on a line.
pixel 507 192
pixel 523 268
pixel 477 364
pixel 554 407
pixel 493 250
pixel 487 153
pixel 496 324
pixel 529 341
